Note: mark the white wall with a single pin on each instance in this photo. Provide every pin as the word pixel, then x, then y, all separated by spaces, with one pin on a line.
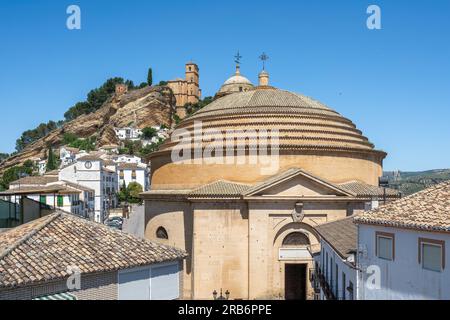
pixel 95 178
pixel 403 278
pixel 141 178
pixel 343 267
pixel 155 282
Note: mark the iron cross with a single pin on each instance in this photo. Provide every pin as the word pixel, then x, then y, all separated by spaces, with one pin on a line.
pixel 238 58
pixel 264 57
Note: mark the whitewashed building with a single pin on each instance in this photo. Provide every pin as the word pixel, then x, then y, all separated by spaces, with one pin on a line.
pixel 67 155
pixel 126 158
pixel 404 247
pixel 131 172
pixel 89 171
pixel 128 133
pixel 335 266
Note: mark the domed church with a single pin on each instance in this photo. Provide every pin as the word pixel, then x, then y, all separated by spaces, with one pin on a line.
pixel 242 184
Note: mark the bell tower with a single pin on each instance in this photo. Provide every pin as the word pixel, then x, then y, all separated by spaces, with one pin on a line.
pixel 192 80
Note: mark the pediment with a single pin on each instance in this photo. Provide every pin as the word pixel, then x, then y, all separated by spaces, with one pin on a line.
pixel 296 183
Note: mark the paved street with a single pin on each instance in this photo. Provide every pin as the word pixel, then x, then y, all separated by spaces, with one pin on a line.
pixel 135 224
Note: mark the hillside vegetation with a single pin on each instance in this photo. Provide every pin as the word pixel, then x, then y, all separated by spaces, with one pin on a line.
pixel 412 182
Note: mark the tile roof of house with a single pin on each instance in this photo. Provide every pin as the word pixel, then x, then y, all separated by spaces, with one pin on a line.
pixel 52 173
pixel 341 235
pixel 49 189
pixel 364 190
pixel 35 180
pixel 129 166
pixel 90 157
pixel 42 250
pixel 220 188
pixel 427 210
pixel 71 149
pixel 77 186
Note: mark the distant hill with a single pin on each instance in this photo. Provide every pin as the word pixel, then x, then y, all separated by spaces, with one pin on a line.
pixel 144 107
pixel 412 182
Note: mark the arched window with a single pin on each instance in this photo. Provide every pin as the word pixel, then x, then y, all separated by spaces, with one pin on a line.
pixel 296 239
pixel 161 233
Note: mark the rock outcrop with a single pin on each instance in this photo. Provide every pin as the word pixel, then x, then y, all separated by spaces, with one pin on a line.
pixel 149 106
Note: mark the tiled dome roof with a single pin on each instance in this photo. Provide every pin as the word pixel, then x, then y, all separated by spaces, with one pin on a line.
pixel 303 123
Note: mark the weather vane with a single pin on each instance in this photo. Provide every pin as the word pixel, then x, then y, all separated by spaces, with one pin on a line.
pixel 264 57
pixel 238 58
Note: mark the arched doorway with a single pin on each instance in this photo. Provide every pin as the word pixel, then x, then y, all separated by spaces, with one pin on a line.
pixel 295 274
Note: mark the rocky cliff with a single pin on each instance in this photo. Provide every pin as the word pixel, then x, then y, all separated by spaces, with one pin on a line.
pixel 149 106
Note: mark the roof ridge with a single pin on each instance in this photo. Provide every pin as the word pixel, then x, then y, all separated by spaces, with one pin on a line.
pixel 30 234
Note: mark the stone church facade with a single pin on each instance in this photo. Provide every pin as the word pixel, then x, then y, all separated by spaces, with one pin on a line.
pixel 250 233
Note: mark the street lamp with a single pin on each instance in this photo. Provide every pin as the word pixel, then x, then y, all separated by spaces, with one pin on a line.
pixel 221 297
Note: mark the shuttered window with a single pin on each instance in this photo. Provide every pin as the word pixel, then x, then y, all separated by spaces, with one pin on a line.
pixel 60 201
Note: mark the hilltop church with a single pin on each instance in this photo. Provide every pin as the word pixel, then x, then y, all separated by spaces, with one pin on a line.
pixel 247 232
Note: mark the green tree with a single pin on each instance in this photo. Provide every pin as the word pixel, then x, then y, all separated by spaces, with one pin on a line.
pixel 194 107
pixel 96 98
pixel 149 132
pixel 51 160
pixel 3 156
pixel 123 195
pixel 162 83
pixel 150 76
pixel 134 189
pixel 35 134
pixel 13 174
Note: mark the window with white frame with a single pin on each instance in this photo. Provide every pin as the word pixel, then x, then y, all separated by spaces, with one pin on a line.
pixel 385 245
pixel 432 254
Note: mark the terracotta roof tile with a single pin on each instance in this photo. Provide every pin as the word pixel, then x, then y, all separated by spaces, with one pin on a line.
pixel 341 235
pixel 35 180
pixel 44 248
pixel 362 189
pixel 220 188
pixel 427 210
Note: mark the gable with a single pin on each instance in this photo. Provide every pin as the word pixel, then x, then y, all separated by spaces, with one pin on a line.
pixel 296 183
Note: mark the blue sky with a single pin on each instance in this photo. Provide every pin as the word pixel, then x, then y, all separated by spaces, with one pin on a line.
pixel 393 83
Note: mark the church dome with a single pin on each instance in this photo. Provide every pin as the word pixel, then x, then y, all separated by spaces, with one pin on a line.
pixel 236 79
pixel 236 83
pixel 312 136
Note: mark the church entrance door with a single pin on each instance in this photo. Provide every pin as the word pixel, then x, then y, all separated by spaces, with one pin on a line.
pixel 295 282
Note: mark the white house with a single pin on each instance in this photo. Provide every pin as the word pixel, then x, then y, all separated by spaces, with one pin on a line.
pixel 131 172
pixel 67 155
pixel 335 268
pixel 403 250
pixel 113 265
pixel 128 133
pixel 89 171
pixel 126 158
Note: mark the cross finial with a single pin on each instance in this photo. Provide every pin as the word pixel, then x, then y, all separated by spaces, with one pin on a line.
pixel 238 58
pixel 264 57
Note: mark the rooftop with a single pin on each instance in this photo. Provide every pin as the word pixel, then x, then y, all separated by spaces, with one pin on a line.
pixel 341 235
pixel 364 190
pixel 42 250
pixel 427 210
pixel 220 188
pixel 35 180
